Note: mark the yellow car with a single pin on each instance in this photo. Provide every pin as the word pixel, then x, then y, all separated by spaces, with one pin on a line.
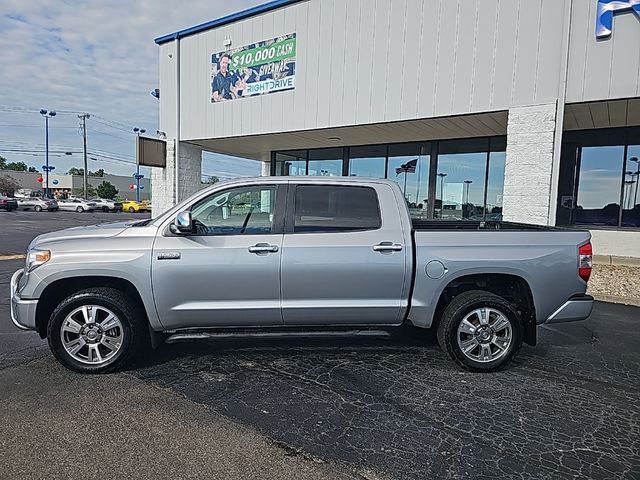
pixel 132 206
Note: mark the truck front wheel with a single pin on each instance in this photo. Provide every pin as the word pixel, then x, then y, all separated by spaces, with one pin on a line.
pixel 480 331
pixel 96 330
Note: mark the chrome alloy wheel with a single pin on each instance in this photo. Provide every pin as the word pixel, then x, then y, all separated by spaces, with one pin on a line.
pixel 92 334
pixel 484 335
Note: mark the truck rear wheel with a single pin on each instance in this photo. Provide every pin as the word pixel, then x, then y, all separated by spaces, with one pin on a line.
pixel 97 330
pixel 481 331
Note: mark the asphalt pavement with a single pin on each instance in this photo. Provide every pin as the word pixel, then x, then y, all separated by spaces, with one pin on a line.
pixel 392 407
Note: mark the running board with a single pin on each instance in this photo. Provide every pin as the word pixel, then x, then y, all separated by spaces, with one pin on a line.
pixel 177 337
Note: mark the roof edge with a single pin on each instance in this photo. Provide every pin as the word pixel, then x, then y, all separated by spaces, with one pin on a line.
pixel 234 17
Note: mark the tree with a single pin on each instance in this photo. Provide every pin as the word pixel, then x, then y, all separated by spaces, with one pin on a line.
pixel 211 180
pixel 33 170
pixel 8 185
pixel 75 171
pixel 79 192
pixel 106 190
pixel 3 162
pixel 16 166
pixel 97 173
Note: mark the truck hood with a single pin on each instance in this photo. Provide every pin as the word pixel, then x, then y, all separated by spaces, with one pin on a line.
pixel 104 230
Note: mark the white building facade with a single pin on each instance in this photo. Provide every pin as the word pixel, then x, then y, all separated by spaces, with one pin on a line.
pixel 526 110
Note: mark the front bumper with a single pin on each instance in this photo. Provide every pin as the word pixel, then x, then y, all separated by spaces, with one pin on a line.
pixel 575 309
pixel 23 312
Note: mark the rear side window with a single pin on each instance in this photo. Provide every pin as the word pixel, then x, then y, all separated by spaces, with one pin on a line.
pixel 329 208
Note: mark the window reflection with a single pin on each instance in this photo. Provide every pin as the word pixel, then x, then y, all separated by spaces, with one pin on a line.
pixel 598 200
pixel 459 188
pixel 495 186
pixel 325 162
pixel 367 161
pixel 409 166
pixel 291 163
pixel 631 199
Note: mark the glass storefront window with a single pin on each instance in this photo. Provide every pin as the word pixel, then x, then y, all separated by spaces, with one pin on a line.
pixel 325 162
pixel 460 189
pixel 292 163
pixel 462 173
pixel 409 166
pixel 367 161
pixel 598 199
pixel 631 198
pixel 495 185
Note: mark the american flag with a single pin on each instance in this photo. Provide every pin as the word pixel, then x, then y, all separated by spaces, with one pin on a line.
pixel 409 167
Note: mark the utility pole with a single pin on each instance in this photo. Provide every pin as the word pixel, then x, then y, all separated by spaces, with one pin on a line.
pixel 85 186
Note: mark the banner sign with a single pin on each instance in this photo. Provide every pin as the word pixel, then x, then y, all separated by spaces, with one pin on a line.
pixel 256 69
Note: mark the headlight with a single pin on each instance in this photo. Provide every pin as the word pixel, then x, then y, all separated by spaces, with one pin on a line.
pixel 35 258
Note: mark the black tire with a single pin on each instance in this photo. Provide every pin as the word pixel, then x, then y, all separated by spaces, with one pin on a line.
pixel 132 210
pixel 79 209
pixel 105 209
pixel 135 333
pixel 455 313
pixel 37 208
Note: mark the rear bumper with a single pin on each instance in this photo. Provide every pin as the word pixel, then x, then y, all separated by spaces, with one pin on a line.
pixel 575 309
pixel 23 312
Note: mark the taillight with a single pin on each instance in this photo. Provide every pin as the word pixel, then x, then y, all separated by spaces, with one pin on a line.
pixel 586 261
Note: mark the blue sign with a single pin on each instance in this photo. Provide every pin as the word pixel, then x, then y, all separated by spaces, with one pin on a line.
pixel 55 182
pixel 606 10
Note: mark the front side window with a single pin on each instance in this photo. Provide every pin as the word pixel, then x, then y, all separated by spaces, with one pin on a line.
pixel 239 211
pixel 329 208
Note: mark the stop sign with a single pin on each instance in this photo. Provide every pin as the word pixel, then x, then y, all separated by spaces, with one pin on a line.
pixel 40 179
pixel 131 186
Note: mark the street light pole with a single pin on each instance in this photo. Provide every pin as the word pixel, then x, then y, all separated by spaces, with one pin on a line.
pixel 442 175
pixel 47 115
pixel 85 186
pixel 138 131
pixel 635 197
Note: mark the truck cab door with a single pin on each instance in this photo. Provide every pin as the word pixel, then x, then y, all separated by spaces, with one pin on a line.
pixel 227 272
pixel 344 258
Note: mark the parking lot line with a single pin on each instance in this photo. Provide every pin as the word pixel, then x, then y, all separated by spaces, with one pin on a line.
pixel 11 257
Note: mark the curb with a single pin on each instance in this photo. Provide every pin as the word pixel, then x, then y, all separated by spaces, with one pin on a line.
pixel 635 302
pixel 616 261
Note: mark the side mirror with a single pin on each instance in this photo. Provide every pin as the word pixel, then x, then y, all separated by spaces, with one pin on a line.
pixel 182 223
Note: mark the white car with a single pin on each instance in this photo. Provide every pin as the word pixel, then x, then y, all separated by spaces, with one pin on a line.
pixel 36 203
pixel 107 205
pixel 77 205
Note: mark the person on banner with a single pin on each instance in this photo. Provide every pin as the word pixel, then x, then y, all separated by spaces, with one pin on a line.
pixel 224 85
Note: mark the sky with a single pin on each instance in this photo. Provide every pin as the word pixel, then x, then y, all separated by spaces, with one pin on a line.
pixel 97 57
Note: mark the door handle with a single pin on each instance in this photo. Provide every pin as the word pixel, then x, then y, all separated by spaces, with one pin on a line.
pixel 263 248
pixel 387 247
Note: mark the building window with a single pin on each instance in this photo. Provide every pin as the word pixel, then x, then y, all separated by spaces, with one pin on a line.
pixel 453 179
pixel 292 163
pixel 470 179
pixel 598 198
pixel 409 166
pixel 599 178
pixel 326 162
pixel 369 162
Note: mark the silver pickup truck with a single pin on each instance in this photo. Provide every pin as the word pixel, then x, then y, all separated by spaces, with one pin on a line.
pixel 298 256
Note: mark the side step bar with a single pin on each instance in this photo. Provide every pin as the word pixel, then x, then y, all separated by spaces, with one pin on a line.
pixel 177 337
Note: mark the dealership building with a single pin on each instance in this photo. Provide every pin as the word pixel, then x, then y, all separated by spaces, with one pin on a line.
pixel 526 110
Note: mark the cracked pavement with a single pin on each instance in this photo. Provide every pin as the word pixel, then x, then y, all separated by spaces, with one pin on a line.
pixel 568 408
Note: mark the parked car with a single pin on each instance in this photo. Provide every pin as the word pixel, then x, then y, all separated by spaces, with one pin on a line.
pixel 107 205
pixel 77 205
pixel 132 206
pixel 37 204
pixel 8 203
pixel 316 255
